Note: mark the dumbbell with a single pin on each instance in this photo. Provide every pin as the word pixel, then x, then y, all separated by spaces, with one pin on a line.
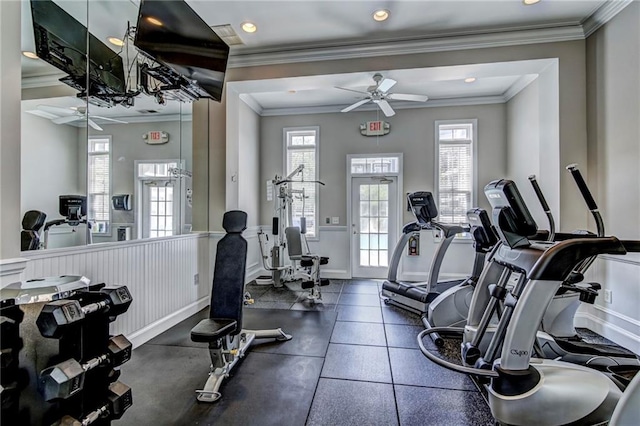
pixel 56 316
pixel 67 378
pixel 119 400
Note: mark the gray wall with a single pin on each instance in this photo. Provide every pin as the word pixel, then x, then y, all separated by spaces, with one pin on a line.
pixel 49 166
pixel 128 147
pixel 613 68
pixel 248 171
pixel 533 145
pixel 412 133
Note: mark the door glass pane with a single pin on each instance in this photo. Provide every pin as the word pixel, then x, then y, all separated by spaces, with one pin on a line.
pixel 364 192
pixel 364 241
pixel 384 208
pixel 374 208
pixel 364 257
pixel 384 192
pixel 364 225
pixel 384 226
pixel 374 242
pixel 383 244
pixel 373 192
pixel 373 225
pixel 373 258
pixel 364 208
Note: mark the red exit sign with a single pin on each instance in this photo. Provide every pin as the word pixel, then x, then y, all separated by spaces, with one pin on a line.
pixel 156 137
pixel 374 128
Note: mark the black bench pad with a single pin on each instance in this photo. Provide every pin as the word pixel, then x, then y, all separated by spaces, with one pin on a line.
pixel 212 329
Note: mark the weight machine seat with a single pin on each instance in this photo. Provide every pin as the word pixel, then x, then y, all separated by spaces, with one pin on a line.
pixel 212 329
pixel 227 293
pixel 294 247
pixel 32 222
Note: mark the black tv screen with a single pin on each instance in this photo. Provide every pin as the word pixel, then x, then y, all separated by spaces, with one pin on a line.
pixel 175 36
pixel 61 41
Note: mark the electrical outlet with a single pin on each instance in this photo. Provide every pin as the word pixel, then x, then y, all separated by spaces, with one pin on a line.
pixel 196 279
pixel 437 236
pixel 335 220
pixel 327 220
pixel 608 296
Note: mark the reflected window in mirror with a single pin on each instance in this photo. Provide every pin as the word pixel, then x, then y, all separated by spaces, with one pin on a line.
pixel 99 181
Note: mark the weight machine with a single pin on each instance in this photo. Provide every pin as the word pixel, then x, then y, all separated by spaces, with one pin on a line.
pixel 273 251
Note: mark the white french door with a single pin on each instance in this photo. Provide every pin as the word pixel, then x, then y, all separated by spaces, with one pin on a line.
pixel 374 224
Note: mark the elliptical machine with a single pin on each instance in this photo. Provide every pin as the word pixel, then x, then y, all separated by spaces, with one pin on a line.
pixel 523 390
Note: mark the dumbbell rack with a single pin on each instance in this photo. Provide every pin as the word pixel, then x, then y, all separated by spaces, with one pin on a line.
pixel 81 341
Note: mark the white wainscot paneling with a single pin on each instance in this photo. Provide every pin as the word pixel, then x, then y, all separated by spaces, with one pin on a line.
pixel 619 320
pixel 160 274
pixel 457 263
pixel 333 242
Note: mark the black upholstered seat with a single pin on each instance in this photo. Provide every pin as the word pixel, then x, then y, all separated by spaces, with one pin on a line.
pixel 212 329
pixel 227 292
pixel 32 222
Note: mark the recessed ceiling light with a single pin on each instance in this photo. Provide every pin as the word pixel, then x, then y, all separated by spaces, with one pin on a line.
pixel 115 41
pixel 154 21
pixel 381 15
pixel 530 2
pixel 469 79
pixel 29 55
pixel 249 27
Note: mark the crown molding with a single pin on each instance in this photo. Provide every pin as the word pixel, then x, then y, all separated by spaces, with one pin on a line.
pixel 602 15
pixel 405 47
pixel 431 103
pixel 252 103
pixel 520 84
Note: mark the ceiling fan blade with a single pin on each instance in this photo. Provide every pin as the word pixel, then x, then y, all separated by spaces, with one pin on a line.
pixel 386 84
pixel 63 120
pixel 386 108
pixel 93 124
pixel 407 97
pixel 109 119
pixel 56 110
pixel 351 90
pixel 356 105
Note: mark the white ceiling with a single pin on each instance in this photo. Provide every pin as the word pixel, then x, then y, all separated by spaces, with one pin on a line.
pixel 307 24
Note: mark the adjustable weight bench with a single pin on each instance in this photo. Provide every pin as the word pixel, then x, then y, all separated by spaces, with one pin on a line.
pixel 228 342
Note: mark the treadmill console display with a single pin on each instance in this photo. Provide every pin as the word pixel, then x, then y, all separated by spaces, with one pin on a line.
pixel 423 206
pixel 510 213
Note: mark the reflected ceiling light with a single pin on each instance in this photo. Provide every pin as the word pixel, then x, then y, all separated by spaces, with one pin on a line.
pixel 249 27
pixel 29 55
pixel 154 21
pixel 380 15
pixel 469 79
pixel 291 91
pixel 530 2
pixel 115 41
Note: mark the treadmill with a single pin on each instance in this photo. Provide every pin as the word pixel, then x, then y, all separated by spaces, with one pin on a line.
pixel 416 296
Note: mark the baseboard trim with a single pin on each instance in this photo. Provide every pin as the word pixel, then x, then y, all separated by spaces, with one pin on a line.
pixel 617 334
pixel 152 330
pixel 338 274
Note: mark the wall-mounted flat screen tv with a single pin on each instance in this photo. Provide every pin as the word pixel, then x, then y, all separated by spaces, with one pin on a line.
pixel 175 36
pixel 61 41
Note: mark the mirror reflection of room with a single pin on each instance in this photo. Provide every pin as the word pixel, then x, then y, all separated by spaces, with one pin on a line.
pixel 112 166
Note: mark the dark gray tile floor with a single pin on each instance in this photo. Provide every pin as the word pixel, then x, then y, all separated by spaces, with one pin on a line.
pixel 352 361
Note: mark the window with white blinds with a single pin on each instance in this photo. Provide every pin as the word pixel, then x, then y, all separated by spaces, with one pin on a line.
pixel 99 182
pixel 302 148
pixel 455 168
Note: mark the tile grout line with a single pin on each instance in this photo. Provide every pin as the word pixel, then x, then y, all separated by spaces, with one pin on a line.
pixel 393 385
pixel 324 359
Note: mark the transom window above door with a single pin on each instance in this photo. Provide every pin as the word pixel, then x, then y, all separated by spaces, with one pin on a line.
pixel 374 165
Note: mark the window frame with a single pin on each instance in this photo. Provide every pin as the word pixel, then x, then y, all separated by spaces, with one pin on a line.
pixel 474 159
pixel 285 165
pixel 90 154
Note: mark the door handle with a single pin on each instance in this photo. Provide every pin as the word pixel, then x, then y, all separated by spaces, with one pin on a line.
pixel 355 230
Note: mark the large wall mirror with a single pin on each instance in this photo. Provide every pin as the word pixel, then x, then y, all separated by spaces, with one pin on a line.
pixel 130 158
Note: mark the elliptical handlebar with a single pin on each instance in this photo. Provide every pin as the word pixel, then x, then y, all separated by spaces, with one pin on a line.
pixel 545 207
pixel 588 198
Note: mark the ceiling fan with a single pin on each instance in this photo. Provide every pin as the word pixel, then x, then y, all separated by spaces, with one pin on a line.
pixel 60 115
pixel 379 95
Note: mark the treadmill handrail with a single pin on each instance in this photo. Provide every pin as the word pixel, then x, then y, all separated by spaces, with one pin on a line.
pixel 450 229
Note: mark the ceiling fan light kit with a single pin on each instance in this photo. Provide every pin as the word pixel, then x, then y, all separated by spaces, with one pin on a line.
pixel 379 95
